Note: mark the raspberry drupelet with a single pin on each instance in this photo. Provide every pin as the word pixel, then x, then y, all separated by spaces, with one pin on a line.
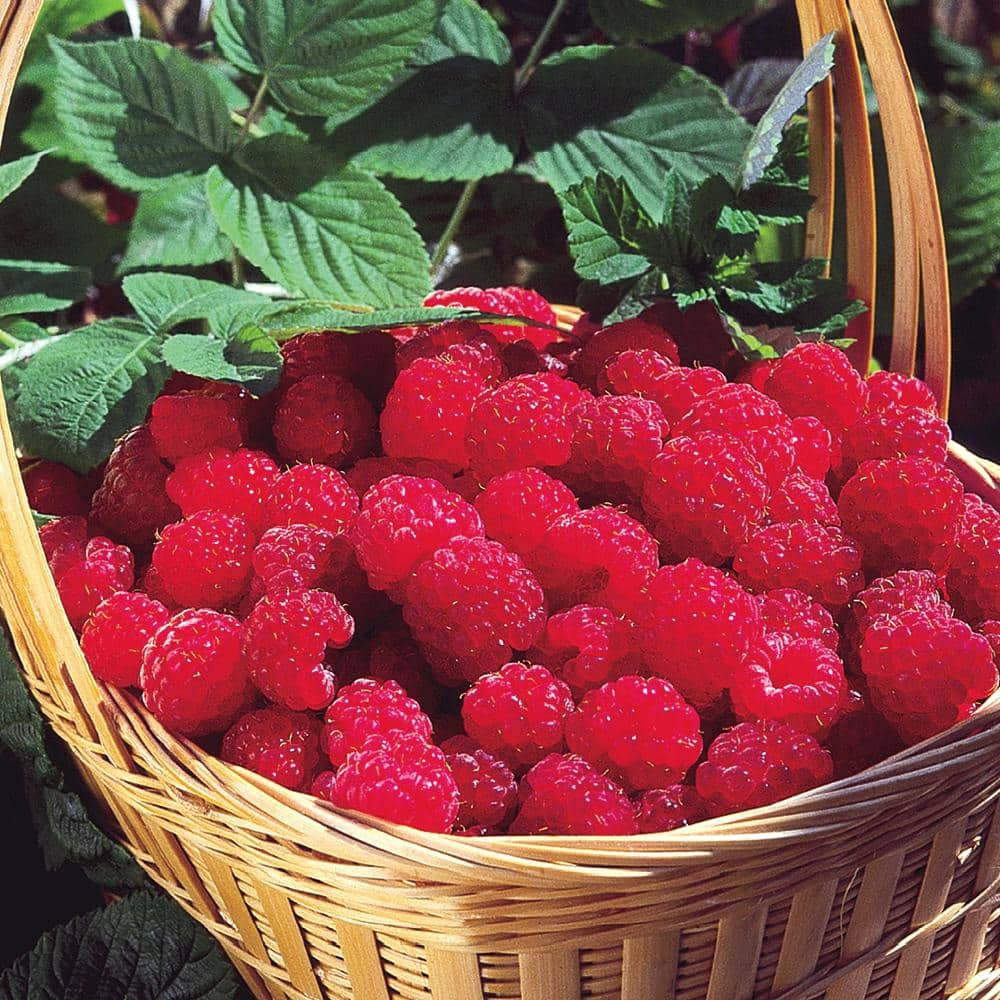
pixel 115 634
pixel 800 498
pixel 642 332
pixel 813 447
pixel 790 612
pixel 276 743
pixel 486 785
pixel 194 420
pixel 314 495
pixel 661 809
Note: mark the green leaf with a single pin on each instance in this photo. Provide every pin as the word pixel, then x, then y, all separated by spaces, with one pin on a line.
pixel 290 318
pixel 251 358
pixel 325 58
pixel 136 948
pixel 139 111
pixel 450 116
pixel 648 115
pixel 174 227
pixel 634 20
pixel 327 233
pixel 35 286
pixel 15 173
pixel 62 18
pixel 85 390
pixel 752 341
pixel 763 146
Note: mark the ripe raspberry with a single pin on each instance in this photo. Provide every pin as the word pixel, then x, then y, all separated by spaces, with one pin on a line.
pixel 437 339
pixel 323 418
pixel 636 373
pixel 663 809
pixel 817 380
pixel 861 738
pixel 696 626
pixel 800 498
pixel 346 579
pixel 233 482
pixel 205 560
pixel 518 507
pixel 195 420
pixel 820 561
pixel 63 542
pixel 115 634
pixel 974 573
pixel 889 391
pixel 756 373
pixel 285 641
pixel 990 631
pixel 925 671
pixel 523 422
pixel 311 494
pixel 280 745
pixel 101 570
pixel 406 781
pixel 564 795
pixel 509 301
pixel 364 358
pixel 299 557
pixel 903 512
pixel 629 335
pixel 796 615
pixel 193 678
pixel 757 763
pixel 403 521
pixel 705 495
pixel 54 489
pixel 813 447
pixel 131 504
pixel 368 708
pixel 486 785
pixel 906 432
pixel 151 585
pixel 393 655
pixel 637 730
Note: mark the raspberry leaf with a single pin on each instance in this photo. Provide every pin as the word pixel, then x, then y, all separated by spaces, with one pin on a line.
pixel 15 173
pixel 35 286
pixel 659 20
pixel 250 358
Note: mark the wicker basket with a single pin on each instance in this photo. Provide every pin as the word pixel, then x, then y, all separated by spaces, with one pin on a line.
pixel 885 885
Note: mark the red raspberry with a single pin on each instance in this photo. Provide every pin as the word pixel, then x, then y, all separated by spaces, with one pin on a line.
pixel 406 781
pixel 151 585
pixel 54 489
pixel 820 561
pixel 437 339
pixel 486 784
pixel 519 713
pixel 706 495
pixel 757 763
pixel 205 560
pixel 813 447
pixel 586 647
pixel 115 634
pixel 795 614
pixel 990 631
pixel 696 626
pixel 518 507
pixel 509 301
pixel 523 422
pixel 363 475
pixel 817 380
pixel 907 590
pixel 299 557
pixel 285 642
pixel 974 573
pixel 903 512
pixel 925 672
pixel 368 708
pixel 311 494
pixel 663 809
pixel 280 745
pixel 233 482
pixel 403 521
pixel 323 418
pixel 800 498
pixel 364 358
pixel 637 730
pixel 348 581
pixel 100 570
pixel 892 390
pixel 629 335
pixel 131 504
pixel 907 432
pixel 63 542
pixel 393 655
pixel 193 678
pixel 860 739
pixel 756 373
pixel 635 373
pixel 195 420
pixel 564 795
pixel 523 358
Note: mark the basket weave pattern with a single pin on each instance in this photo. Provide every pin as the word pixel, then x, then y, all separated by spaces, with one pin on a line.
pixel 886 885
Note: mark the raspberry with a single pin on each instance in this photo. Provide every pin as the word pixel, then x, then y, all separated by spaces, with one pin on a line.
pixel 791 613
pixel 364 358
pixel 564 795
pixel 115 634
pixel 756 373
pixel 757 763
pixel 205 560
pixel 299 557
pixel 363 475
pixel 990 631
pixel 892 390
pixel 394 655
pixel 131 504
pixel 368 708
pixel 233 482
pixel 817 380
pixel 518 507
pixel 195 420
pixel 798 681
pixel 407 782
pixel 925 671
pixel 276 743
pixel 509 301
pixel 697 624
pixel 663 809
pixel 596 556
pixel 706 495
pixel 285 641
pixel 427 411
pixel 860 739
pixel 635 373
pixel 974 573
pixel 323 418
pixel 152 586
pixel 586 646
pixel 193 678
pixel 906 432
pixel 311 494
pixel 523 422
pixel 100 570
pixel 630 335
pixel 486 785
pixel 904 513
pixel 403 521
pixel 820 561
pixel 54 489
pixel 907 590
pixel 439 338
pixel 63 542
pixel 637 730
pixel 346 579
pixel 813 446
pixel 800 498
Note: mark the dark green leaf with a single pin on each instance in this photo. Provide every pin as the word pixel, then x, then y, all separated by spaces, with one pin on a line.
pixel 752 341
pixel 15 173
pixel 35 286
pixel 289 319
pixel 62 18
pixel 755 84
pixel 250 358
pixel 651 21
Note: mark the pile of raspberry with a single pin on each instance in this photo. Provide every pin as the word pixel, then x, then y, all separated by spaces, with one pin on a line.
pixel 494 578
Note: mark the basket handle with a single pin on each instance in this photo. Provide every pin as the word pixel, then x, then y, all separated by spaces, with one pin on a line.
pixel 16 21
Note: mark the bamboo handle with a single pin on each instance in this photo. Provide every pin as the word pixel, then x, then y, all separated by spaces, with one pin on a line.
pixel 16 21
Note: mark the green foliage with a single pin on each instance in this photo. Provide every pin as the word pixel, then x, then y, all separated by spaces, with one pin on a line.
pixel 36 286
pixel 659 20
pixel 15 173
pixel 250 358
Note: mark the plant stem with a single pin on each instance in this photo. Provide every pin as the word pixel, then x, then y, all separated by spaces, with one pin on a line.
pixel 258 100
pixel 8 340
pixel 454 222
pixel 239 272
pixel 535 53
